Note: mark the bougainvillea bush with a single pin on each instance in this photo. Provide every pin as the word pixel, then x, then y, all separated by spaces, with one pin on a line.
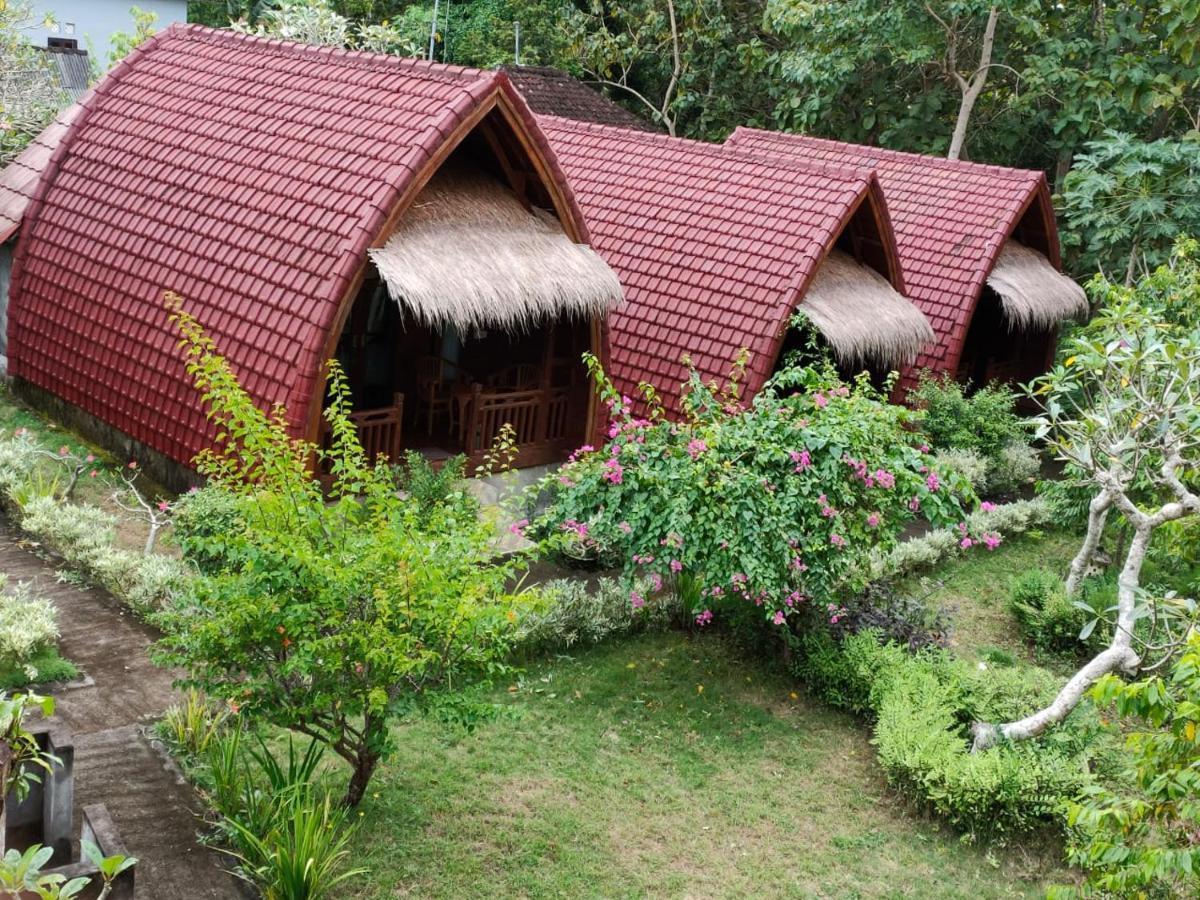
pixel 772 504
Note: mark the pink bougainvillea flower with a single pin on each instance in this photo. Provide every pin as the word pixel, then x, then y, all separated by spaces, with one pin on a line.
pixel 801 458
pixel 837 540
pixel 675 566
pixel 924 448
pixel 614 472
pixel 820 400
pixel 991 540
pixel 914 504
pixel 518 527
pixel 636 600
pixel 695 447
pixel 625 527
pixel 93 473
pixel 873 520
pixel 163 506
pixel 966 543
pixel 987 506
pixel 779 617
pixel 656 582
pixel 932 482
pixel 91 458
pixel 884 478
pixel 704 618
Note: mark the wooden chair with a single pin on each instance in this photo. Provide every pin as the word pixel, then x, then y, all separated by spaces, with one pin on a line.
pixel 435 390
pixel 518 377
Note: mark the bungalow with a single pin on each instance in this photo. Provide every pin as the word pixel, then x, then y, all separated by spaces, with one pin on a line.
pixel 979 249
pixel 407 218
pixel 717 248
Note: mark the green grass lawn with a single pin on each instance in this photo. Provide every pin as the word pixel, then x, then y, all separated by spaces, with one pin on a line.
pixel 669 766
pixel 975 588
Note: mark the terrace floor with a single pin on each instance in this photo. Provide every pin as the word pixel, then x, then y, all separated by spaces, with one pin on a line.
pixel 110 712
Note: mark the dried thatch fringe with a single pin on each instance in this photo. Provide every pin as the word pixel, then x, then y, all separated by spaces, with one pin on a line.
pixel 469 254
pixel 1033 294
pixel 862 316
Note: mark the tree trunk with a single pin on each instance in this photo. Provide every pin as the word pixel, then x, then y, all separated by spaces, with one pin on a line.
pixel 1118 655
pixel 972 87
pixel 1097 515
pixel 362 768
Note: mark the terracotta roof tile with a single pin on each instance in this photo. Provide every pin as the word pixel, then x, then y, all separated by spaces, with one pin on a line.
pixel 247 175
pixel 552 92
pixel 950 218
pixel 714 246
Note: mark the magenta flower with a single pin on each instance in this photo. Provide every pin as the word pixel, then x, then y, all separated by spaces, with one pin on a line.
pixel 656 582
pixel 636 600
pixel 675 566
pixel 914 504
pixel 614 472
pixel 966 543
pixel 518 527
pixel 704 618
pixel 163 506
pixel 987 506
pixel 837 540
pixel 695 447
pixel 932 481
pixel 991 540
pixel 924 448
pixel 779 617
pixel 625 527
pixel 873 520
pixel 884 478
pixel 820 400
pixel 801 458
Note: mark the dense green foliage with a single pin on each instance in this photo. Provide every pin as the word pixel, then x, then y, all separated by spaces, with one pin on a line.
pixel 29 94
pixel 1126 201
pixel 1141 840
pixel 923 705
pixel 975 432
pixel 767 506
pixel 330 614
pixel 1038 601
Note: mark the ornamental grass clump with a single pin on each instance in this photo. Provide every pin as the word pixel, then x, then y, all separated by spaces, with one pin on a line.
pixel 774 505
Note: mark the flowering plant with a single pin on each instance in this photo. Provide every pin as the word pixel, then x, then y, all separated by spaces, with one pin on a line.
pixel 775 502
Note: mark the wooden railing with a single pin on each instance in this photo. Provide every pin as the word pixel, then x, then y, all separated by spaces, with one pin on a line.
pixel 538 417
pixel 379 430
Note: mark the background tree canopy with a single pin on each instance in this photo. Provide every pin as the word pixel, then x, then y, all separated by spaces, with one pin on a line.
pixel 1114 87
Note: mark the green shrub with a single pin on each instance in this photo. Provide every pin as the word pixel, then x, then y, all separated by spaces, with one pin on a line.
pixel 985 421
pixel 925 552
pixel 28 624
pixel 923 705
pixel 433 488
pixel 201 521
pixel 574 611
pixel 1015 466
pixel 1038 601
pixel 967 463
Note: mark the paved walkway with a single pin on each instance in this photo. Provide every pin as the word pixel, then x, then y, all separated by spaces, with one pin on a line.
pixel 151 805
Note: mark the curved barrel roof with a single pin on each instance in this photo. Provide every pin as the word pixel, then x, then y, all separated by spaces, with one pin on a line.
pixel 714 246
pixel 951 219
pixel 249 176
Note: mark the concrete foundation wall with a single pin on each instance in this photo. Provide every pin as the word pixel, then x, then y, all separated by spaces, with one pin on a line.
pixel 167 472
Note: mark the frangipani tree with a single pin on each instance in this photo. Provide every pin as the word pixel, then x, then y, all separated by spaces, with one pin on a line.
pixel 1123 409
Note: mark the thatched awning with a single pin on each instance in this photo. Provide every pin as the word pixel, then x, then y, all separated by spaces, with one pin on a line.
pixel 1033 294
pixel 468 254
pixel 864 319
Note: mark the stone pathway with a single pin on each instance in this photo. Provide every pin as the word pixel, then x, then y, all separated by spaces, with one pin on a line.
pixel 109 713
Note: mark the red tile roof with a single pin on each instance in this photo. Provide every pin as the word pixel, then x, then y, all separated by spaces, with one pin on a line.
pixel 552 92
pixel 713 246
pixel 950 217
pixel 249 176
pixel 19 178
